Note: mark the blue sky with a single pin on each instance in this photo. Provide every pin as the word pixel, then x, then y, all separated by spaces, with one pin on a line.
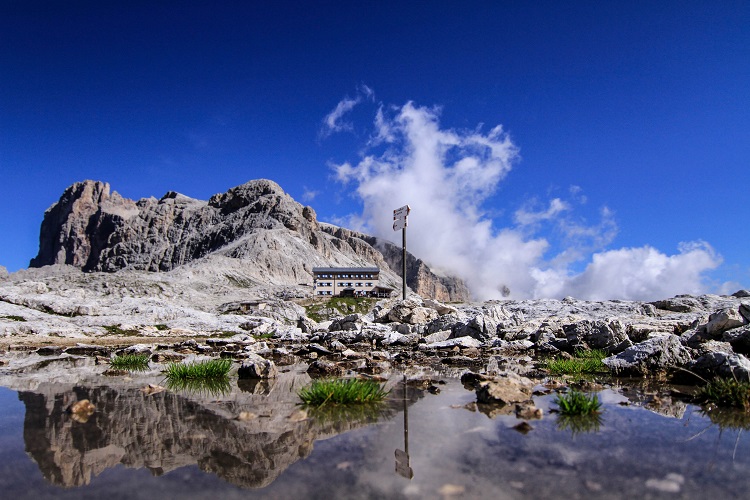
pixel 626 126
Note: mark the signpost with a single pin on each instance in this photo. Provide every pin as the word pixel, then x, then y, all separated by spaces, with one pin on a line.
pixel 400 222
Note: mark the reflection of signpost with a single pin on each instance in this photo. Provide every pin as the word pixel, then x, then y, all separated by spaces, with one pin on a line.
pixel 400 222
pixel 403 468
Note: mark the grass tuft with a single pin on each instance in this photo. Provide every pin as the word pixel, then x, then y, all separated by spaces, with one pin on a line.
pixel 342 391
pixel 130 362
pixel 209 377
pixel 117 330
pixel 576 403
pixel 201 370
pixel 14 318
pixel 583 362
pixel 726 392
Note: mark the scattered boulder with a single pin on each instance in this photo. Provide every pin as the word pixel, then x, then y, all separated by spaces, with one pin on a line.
pixel 257 367
pixel 722 364
pixel 504 390
pixel 723 320
pixel 653 355
pixel 596 334
pixel 739 338
pixel 465 342
pixel 680 304
pixel 323 368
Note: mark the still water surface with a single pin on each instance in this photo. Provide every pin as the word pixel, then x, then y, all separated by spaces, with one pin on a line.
pixel 171 445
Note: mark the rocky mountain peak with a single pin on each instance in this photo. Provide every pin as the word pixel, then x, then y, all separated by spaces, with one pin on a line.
pixel 275 238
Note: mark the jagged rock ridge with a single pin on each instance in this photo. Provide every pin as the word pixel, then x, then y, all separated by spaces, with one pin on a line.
pixel 96 229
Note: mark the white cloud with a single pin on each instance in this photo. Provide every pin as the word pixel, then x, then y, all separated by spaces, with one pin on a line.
pixel 334 121
pixel 525 216
pixel 446 175
pixel 309 194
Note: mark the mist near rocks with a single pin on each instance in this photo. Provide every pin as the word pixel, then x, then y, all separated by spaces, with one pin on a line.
pixel 447 175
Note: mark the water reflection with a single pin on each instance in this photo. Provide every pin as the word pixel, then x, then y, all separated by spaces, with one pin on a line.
pixel 220 386
pixel 244 438
pixel 579 424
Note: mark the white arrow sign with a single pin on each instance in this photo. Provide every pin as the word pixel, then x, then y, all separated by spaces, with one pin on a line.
pixel 402 212
pixel 399 224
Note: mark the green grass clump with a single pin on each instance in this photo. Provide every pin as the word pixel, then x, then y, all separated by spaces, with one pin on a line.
pixel 340 306
pixel 726 392
pixel 161 327
pixel 14 318
pixel 342 391
pixel 583 362
pixel 201 370
pixel 576 403
pixel 130 362
pixel 209 377
pixel 117 330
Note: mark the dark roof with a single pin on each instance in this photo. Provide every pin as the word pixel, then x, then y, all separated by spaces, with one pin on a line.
pixel 345 270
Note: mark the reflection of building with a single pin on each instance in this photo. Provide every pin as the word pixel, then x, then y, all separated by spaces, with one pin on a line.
pixel 351 281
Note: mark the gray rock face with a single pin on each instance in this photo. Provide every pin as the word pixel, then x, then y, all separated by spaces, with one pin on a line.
pixel 609 335
pixel 3 273
pixel 650 356
pixel 724 320
pixel 96 229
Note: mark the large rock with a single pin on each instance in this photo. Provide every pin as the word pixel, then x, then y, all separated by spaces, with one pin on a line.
pixel 505 390
pixel 739 338
pixel 606 335
pixel 723 320
pixel 657 354
pixel 680 304
pixel 722 364
pixel 257 367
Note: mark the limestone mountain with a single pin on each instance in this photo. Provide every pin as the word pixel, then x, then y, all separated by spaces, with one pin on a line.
pixel 273 239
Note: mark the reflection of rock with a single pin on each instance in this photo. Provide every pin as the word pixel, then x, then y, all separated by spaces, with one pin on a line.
pixel 164 431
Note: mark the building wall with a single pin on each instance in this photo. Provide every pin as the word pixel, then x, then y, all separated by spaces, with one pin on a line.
pixel 332 283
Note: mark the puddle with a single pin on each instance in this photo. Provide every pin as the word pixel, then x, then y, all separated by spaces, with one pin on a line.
pixel 253 440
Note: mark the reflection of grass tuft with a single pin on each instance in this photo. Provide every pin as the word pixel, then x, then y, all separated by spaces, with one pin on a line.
pixel 727 418
pixel 726 392
pixel 371 412
pixel 342 391
pixel 578 424
pixel 584 362
pixel 216 386
pixel 130 362
pixel 576 403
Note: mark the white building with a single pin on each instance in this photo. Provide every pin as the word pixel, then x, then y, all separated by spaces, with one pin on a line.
pixel 351 281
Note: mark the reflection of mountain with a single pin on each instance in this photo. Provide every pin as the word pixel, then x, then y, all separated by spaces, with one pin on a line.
pixel 166 431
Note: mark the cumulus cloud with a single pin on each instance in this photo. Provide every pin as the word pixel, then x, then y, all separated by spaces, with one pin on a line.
pixel 446 176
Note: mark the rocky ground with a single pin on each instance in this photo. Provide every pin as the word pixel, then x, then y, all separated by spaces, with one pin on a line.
pixel 189 310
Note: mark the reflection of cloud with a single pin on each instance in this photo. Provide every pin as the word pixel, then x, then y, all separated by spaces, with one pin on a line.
pixel 446 175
